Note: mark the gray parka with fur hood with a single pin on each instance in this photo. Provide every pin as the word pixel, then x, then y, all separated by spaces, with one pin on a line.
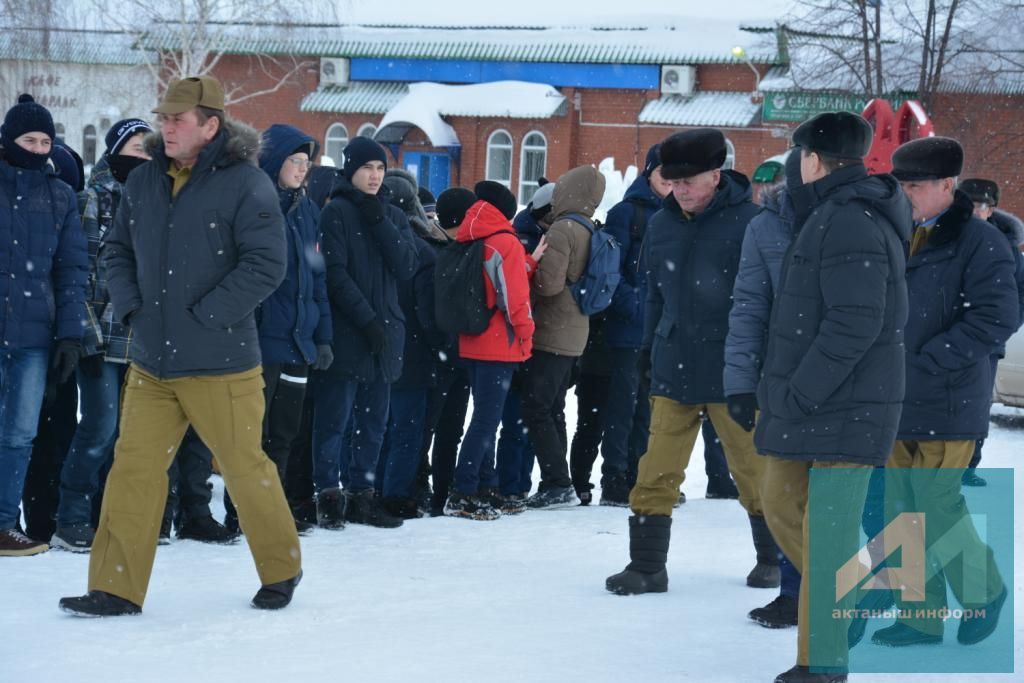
pixel 187 272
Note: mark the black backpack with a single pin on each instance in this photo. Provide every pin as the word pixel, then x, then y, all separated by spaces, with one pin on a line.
pixel 460 295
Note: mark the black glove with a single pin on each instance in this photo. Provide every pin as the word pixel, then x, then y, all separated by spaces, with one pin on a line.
pixel 743 410
pixel 66 355
pixel 324 357
pixel 371 209
pixel 373 332
pixel 92 366
pixel 643 364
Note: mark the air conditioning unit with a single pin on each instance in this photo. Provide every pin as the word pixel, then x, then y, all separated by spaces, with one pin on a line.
pixel 334 70
pixel 678 80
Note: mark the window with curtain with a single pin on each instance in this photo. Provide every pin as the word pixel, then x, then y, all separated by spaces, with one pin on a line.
pixel 335 142
pixel 532 164
pixel 499 158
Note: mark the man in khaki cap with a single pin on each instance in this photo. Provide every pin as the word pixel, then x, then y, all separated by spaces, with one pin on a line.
pixel 197 244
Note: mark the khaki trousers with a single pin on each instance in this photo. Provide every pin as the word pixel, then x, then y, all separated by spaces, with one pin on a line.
pixel 785 496
pixel 934 489
pixel 673 432
pixel 227 413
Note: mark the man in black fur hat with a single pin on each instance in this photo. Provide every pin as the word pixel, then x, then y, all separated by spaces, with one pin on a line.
pixel 692 252
pixel 962 308
pixel 831 382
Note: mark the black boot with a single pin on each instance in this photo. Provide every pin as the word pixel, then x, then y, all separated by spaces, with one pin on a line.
pixel 207 530
pixel 779 613
pixel 802 674
pixel 276 595
pixel 648 551
pixel 99 604
pixel 766 573
pixel 330 509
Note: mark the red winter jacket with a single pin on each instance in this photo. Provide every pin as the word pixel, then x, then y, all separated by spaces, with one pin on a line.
pixel 509 336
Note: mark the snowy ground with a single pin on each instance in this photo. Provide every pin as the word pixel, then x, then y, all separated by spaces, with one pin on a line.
pixel 520 599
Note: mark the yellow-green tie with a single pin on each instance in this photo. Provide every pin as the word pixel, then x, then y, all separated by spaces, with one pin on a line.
pixel 919 238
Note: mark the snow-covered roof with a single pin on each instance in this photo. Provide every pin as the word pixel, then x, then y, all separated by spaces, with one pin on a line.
pixel 426 103
pixel 728 109
pixel 70 46
pixel 700 40
pixel 369 97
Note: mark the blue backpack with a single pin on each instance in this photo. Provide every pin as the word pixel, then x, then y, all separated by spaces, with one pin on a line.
pixel 593 291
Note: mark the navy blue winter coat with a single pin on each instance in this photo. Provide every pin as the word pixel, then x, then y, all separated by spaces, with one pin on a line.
pixel 1013 229
pixel 692 265
pixel 963 307
pixel 627 223
pixel 833 377
pixel 764 249
pixel 44 260
pixel 364 265
pixel 297 316
pixel 423 340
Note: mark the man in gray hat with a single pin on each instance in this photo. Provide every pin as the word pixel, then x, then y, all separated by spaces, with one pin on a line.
pixel 197 244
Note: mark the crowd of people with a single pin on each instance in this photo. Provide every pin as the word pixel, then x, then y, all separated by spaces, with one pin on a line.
pixel 209 299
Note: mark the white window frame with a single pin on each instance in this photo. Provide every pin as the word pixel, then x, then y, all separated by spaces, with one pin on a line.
pixel 730 155
pixel 363 128
pixel 89 134
pixel 524 148
pixel 330 137
pixel 510 146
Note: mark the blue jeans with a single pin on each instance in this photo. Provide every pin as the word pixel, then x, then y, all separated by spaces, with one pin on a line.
pixel 93 444
pixel 405 436
pixel 515 453
pixel 336 403
pixel 489 382
pixel 22 383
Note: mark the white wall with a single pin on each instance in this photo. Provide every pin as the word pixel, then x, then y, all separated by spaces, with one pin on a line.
pixel 79 95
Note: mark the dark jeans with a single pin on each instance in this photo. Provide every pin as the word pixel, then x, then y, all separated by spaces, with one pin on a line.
pixel 546 379
pixel 591 398
pixel 490 382
pixel 976 458
pixel 515 452
pixel 298 484
pixel 401 456
pixel 22 383
pixel 446 416
pixel 719 479
pixel 189 491
pixel 57 422
pixel 627 418
pixel 283 393
pixel 92 448
pixel 336 403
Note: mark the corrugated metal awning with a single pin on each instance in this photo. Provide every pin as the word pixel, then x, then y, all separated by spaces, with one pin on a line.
pixel 728 109
pixel 371 97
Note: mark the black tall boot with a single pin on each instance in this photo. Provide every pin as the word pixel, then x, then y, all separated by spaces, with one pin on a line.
pixel 766 573
pixel 648 551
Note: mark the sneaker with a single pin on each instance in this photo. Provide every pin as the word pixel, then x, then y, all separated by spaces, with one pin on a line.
pixel 207 530
pixel 13 543
pixel 330 509
pixel 470 507
pixel 363 507
pixel 76 538
pixel 276 595
pixel 553 498
pixel 779 613
pixel 506 505
pixel 165 533
pixel 99 604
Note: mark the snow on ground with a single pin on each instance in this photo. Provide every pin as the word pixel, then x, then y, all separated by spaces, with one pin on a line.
pixel 520 599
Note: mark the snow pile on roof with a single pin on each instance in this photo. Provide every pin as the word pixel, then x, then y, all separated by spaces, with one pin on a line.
pixel 729 109
pixel 426 103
